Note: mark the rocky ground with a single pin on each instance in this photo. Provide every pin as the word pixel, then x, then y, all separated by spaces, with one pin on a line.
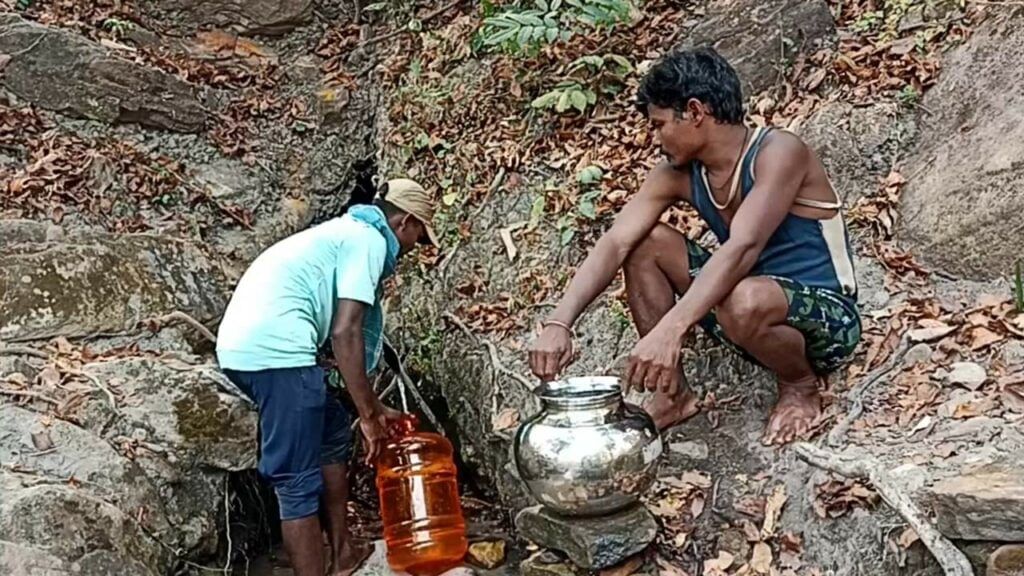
pixel 149 149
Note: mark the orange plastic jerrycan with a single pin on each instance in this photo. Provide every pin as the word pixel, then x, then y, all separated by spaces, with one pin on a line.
pixel 424 528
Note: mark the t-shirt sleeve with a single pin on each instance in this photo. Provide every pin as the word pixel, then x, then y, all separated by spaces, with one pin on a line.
pixel 360 264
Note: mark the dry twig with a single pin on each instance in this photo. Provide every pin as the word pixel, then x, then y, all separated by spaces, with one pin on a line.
pixel 857 393
pixel 952 560
pixel 29 394
pixel 492 350
pixel 96 382
pixel 179 316
pixel 22 351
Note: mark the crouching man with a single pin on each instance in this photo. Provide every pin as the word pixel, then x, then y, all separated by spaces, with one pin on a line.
pixel 780 289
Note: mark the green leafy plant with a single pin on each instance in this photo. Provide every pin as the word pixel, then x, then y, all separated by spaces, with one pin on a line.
pixel 566 95
pixel 522 29
pixel 868 21
pixel 119 28
pixel 585 78
pixel 909 96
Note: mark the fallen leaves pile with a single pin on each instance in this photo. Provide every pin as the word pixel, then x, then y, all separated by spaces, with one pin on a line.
pixel 107 181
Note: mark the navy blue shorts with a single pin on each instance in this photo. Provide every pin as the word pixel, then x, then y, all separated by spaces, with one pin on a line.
pixel 302 427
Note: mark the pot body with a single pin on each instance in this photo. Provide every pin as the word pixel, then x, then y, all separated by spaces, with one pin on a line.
pixel 587 452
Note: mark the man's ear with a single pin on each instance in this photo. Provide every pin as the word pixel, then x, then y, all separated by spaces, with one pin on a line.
pixel 696 110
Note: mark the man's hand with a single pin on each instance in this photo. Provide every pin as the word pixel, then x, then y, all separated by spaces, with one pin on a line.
pixel 654 362
pixel 551 352
pixel 374 427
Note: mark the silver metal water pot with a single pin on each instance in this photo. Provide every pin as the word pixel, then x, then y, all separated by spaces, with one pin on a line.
pixel 587 452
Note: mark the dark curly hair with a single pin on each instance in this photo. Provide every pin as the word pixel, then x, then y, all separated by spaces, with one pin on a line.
pixel 700 73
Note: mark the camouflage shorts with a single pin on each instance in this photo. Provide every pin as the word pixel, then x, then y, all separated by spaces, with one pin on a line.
pixel 829 321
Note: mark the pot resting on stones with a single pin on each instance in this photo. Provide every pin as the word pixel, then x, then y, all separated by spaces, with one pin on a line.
pixel 587 452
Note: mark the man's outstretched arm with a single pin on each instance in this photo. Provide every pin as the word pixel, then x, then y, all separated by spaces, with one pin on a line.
pixel 663 187
pixel 781 167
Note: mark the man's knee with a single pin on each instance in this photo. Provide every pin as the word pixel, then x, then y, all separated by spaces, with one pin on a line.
pixel 298 495
pixel 745 311
pixel 661 239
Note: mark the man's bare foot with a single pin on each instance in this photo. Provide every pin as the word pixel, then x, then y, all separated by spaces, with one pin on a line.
pixel 796 410
pixel 352 556
pixel 667 411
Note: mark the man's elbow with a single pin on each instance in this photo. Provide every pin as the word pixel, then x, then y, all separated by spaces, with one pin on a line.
pixel 345 332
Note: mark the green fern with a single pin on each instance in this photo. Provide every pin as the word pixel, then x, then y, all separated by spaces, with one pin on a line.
pixel 565 96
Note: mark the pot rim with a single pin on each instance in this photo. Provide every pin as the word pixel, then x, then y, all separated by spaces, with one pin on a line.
pixel 580 391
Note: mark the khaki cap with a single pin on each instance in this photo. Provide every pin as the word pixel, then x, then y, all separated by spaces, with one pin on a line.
pixel 408 196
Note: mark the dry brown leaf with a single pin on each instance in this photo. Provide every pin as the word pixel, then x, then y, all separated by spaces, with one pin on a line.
pixel 772 509
pixel 761 558
pixel 1013 397
pixel 680 540
pixel 698 479
pixel 666 568
pixel 750 532
pixel 505 420
pixel 510 246
pixel 718 565
pixel 982 337
pixel 907 538
pixel 49 377
pixel 625 568
pixel 697 506
pixel 929 333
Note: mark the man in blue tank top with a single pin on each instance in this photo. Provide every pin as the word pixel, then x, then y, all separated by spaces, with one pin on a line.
pixel 779 289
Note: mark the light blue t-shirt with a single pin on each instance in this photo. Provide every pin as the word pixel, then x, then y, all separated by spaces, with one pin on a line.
pixel 281 311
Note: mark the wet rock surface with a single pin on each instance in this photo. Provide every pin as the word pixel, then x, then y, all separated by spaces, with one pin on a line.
pixel 591 543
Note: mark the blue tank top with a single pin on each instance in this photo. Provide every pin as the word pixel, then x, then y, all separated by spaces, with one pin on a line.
pixel 813 252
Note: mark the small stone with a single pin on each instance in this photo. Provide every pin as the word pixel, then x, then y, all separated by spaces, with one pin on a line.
pixel 1013 353
pixel 987 504
pixel 918 354
pixel 592 543
pixel 1007 560
pixel 543 564
pixel 487 554
pixel 967 374
pixel 734 541
pixel 693 449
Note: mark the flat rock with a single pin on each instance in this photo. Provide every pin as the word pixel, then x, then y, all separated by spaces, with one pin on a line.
pixel 59 70
pixel 961 210
pixel 749 34
pixel 265 17
pixel 967 374
pixel 919 353
pixel 987 504
pixel 103 283
pixel 591 543
pixel 692 449
pixel 1007 560
pixel 377 565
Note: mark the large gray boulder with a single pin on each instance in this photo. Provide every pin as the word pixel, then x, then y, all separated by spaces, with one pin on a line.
pixel 268 17
pixel 110 485
pixel 759 37
pixel 857 144
pixel 962 207
pixel 100 283
pixel 61 71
